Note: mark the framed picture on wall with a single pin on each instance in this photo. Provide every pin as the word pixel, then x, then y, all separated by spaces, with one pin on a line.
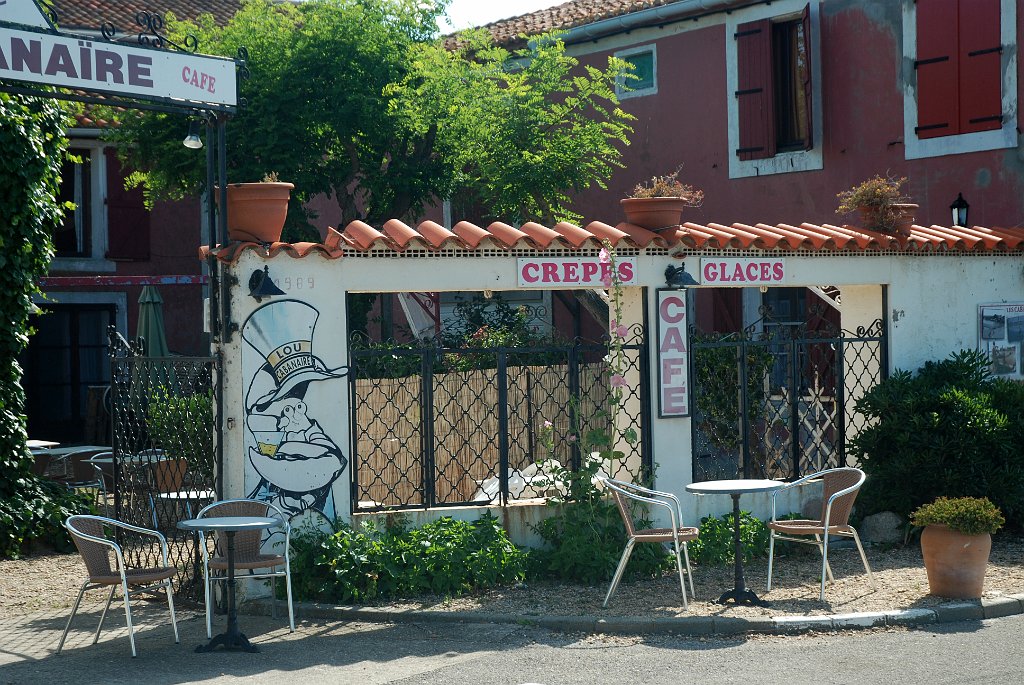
pixel 1001 337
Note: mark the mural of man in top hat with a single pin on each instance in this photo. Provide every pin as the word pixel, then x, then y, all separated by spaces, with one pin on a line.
pixel 296 460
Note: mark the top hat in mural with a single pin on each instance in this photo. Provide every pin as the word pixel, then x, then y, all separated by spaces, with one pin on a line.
pixel 282 332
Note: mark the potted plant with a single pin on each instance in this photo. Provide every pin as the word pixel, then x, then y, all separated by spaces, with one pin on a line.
pixel 257 211
pixel 881 203
pixel 659 204
pixel 956 542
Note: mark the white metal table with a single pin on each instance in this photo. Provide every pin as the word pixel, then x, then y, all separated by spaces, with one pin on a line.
pixel 232 638
pixel 739 592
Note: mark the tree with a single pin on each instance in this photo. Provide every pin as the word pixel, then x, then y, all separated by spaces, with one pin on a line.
pixel 33 141
pixel 360 101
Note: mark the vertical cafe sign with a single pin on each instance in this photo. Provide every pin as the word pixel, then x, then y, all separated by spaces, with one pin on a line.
pixel 673 354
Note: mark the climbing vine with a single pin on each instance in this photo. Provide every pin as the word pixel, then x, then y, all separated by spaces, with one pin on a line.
pixel 33 142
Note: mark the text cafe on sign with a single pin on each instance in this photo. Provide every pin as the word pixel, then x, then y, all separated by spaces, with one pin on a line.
pixel 673 354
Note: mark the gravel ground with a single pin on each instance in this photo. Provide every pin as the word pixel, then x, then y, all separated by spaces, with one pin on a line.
pixel 51 581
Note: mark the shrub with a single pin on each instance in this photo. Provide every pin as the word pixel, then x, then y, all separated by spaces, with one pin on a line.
pixel 967 515
pixel 950 430
pixel 715 545
pixel 669 185
pixel 182 426
pixel 443 557
pixel 879 197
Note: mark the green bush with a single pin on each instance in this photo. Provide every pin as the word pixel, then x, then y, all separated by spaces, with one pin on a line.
pixel 715 544
pixel 951 430
pixel 967 515
pixel 584 541
pixel 182 426
pixel 443 557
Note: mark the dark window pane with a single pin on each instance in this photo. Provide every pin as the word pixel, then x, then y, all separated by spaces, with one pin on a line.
pixel 789 54
pixel 643 69
pixel 72 238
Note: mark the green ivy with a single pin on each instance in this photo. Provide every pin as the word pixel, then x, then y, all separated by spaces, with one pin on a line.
pixel 444 557
pixel 32 137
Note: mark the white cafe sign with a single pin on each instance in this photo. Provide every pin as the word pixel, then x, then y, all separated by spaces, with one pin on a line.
pixel 30 53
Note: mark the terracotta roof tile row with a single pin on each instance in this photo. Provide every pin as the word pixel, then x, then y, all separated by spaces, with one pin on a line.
pixel 90 14
pixel 396 237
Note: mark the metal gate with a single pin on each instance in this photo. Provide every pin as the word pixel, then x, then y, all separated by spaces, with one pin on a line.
pixel 778 401
pixel 436 426
pixel 163 464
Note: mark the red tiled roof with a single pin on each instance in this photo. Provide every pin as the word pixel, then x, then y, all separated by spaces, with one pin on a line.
pixel 395 236
pixel 566 16
pixel 90 14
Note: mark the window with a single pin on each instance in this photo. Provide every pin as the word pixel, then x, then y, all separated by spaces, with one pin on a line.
pixel 73 238
pixel 775 101
pixel 774 93
pixel 961 95
pixel 959 85
pixel 645 68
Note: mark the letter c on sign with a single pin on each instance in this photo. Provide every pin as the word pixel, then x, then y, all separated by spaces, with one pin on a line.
pixel 526 273
pixel 673 317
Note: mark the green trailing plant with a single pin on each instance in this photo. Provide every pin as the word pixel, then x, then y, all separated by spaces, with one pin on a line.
pixel 967 515
pixel 33 141
pixel 182 426
pixel 949 430
pixel 445 557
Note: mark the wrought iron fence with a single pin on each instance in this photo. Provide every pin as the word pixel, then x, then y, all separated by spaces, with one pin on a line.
pixel 437 426
pixel 781 402
pixel 162 467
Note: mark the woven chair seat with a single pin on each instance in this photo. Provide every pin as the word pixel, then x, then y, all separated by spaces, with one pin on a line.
pixel 805 527
pixel 665 535
pixel 259 561
pixel 135 576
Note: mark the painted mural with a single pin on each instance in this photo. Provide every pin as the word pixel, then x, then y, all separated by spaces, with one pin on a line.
pixel 293 460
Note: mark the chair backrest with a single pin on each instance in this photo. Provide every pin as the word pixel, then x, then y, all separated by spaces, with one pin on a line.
pixel 104 469
pixel 41 463
pixel 81 468
pixel 624 493
pixel 95 554
pixel 837 480
pixel 247 542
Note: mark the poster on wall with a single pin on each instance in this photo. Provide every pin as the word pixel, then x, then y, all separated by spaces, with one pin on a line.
pixel 1001 337
pixel 673 354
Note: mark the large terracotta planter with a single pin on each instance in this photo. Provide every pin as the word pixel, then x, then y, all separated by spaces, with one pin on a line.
pixel 653 213
pixel 257 211
pixel 955 562
pixel 904 217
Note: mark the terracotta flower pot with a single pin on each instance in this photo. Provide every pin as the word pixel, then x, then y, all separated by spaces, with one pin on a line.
pixel 257 211
pixel 653 213
pixel 902 217
pixel 955 562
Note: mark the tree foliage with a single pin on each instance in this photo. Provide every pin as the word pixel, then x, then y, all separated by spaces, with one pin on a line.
pixel 33 144
pixel 359 101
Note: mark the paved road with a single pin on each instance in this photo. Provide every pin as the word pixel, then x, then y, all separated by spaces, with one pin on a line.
pixel 370 654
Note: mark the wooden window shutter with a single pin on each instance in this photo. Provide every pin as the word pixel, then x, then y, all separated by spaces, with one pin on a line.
pixel 808 70
pixel 936 67
pixel 755 96
pixel 127 217
pixel 981 101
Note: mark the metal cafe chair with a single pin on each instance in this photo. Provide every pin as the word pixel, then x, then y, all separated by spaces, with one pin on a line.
pixel 840 490
pixel 95 538
pixel 626 493
pixel 248 554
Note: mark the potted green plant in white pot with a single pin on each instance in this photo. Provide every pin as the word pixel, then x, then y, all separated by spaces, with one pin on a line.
pixel 956 542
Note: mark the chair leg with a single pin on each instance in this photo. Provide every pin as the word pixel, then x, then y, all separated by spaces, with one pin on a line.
pixel 828 566
pixel 679 567
pixel 825 569
pixel 103 616
pixel 169 589
pixel 74 610
pixel 208 582
pixel 128 615
pixel 273 596
pixel 771 558
pixel 620 569
pixel 689 571
pixel 864 558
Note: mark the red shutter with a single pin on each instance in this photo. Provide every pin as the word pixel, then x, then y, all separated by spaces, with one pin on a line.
pixel 755 97
pixel 127 217
pixel 981 102
pixel 805 55
pixel 936 65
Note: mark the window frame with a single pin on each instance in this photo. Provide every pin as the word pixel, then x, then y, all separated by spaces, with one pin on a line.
pixel 960 143
pixel 622 90
pixel 781 162
pixel 96 250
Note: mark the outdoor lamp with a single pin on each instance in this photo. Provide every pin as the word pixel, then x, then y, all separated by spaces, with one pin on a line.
pixel 677 277
pixel 192 140
pixel 262 285
pixel 959 209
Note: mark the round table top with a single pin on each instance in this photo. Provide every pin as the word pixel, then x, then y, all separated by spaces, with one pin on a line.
pixel 231 523
pixel 734 487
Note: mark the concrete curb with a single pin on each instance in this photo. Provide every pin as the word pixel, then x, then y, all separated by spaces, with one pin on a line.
pixel 949 612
